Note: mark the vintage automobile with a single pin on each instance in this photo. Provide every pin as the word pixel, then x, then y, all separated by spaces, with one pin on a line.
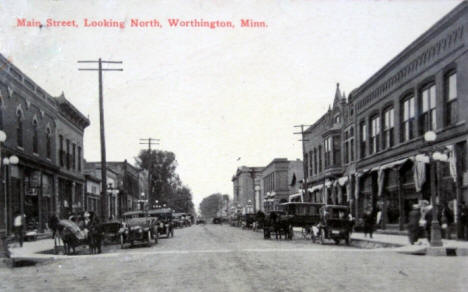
pixel 137 226
pixel 248 220
pixel 290 215
pixel 164 221
pixel 335 224
pixel 111 231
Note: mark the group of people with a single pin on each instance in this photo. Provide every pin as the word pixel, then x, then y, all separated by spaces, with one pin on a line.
pixel 420 221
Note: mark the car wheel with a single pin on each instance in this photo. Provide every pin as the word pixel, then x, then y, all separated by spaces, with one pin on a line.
pixel 156 238
pixel 148 238
pixel 337 241
pixel 322 236
pixel 347 239
pixel 122 242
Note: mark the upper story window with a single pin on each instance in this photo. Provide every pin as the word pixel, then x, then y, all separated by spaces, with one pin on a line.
pixel 61 150
pixel 306 165
pixel 73 156
pixel 407 119
pixel 1 114
pixel 67 157
pixel 349 145
pixel 320 158
pixel 19 129
pixel 311 169
pixel 451 98
pixel 337 119
pixel 336 148
pixel 427 119
pixel 374 134
pixel 48 143
pixel 35 137
pixel 363 138
pixel 388 125
pixel 328 149
pixel 79 158
pixel 315 161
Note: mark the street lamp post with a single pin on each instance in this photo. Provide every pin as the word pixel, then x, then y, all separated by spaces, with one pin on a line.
pixel 3 227
pixel 436 238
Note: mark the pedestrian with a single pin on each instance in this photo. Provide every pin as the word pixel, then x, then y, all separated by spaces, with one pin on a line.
pixel 53 224
pixel 18 227
pixel 414 229
pixel 464 219
pixel 369 222
pixel 428 222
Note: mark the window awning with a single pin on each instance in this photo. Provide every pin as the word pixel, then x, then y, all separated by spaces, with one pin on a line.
pixel 342 180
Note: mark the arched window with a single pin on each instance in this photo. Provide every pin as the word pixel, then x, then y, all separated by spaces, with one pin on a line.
pixel 35 137
pixel 19 129
pixel 48 143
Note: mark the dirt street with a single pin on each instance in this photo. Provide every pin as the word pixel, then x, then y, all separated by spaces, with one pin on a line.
pixel 224 258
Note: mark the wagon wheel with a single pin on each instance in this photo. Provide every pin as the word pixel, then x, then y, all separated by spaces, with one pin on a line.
pixel 122 242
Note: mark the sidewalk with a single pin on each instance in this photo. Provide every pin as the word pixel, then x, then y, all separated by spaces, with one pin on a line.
pixel 31 250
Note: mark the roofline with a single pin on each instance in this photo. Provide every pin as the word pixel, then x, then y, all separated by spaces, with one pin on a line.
pixel 410 48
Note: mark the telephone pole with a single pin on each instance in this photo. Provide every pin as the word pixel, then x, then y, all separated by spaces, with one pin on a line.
pixel 304 182
pixel 149 142
pixel 101 120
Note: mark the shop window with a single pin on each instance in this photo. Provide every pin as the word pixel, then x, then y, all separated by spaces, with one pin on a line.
pixel 388 125
pixel 451 98
pixel 427 106
pixel 407 119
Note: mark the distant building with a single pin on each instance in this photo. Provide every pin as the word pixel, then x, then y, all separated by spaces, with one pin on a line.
pixel 280 179
pixel 92 201
pixel 246 183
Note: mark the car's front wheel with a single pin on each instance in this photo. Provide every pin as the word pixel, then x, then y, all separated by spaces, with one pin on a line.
pixel 122 241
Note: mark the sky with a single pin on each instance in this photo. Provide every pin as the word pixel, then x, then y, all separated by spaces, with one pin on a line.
pixel 218 98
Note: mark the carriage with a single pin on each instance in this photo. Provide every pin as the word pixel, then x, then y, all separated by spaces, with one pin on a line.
pixel 335 224
pixel 292 214
pixel 68 233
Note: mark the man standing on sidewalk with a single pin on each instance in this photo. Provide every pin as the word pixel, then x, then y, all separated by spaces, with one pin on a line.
pixel 18 227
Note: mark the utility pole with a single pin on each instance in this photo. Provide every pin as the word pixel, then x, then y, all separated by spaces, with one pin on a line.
pixel 149 142
pixel 101 120
pixel 304 182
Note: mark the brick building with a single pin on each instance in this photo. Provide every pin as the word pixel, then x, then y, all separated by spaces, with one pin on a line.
pixel 377 155
pixel 281 178
pixel 32 120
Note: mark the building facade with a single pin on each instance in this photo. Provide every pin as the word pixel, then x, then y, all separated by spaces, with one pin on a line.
pixel 281 178
pixel 92 200
pixel 31 120
pixel 377 156
pixel 246 183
